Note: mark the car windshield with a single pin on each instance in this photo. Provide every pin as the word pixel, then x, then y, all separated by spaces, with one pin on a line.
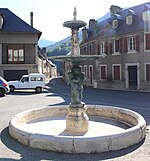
pixel 25 79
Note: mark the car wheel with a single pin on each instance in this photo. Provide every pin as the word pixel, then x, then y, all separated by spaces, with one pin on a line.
pixel 12 88
pixel 38 90
pixel 2 92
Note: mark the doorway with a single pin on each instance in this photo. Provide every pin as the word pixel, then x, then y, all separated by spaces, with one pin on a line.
pixel 132 76
pixel 90 75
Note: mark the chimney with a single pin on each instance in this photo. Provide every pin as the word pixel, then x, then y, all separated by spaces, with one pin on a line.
pixel 114 9
pixel 31 19
pixel 92 23
pixel 84 34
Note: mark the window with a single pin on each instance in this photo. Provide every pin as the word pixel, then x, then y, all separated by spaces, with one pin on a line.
pixel 116 72
pixel 1 21
pixel 39 78
pixel 90 49
pixel 115 23
pixel 102 48
pixel 131 44
pixel 146 15
pixel 147 41
pixel 15 54
pixel 147 72
pixel 25 79
pixel 33 78
pixel 85 50
pixel 129 20
pixel 103 72
pixel 116 46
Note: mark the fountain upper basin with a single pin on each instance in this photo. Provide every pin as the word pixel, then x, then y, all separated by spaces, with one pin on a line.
pixel 74 24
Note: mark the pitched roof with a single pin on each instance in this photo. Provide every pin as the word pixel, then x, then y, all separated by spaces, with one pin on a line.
pixel 105 28
pixel 13 23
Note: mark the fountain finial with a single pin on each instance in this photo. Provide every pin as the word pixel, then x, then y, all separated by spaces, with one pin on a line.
pixel 75 14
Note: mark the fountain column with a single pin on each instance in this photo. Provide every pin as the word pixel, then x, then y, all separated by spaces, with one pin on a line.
pixel 77 120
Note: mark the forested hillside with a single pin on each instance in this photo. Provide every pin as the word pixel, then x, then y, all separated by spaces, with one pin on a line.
pixel 62 49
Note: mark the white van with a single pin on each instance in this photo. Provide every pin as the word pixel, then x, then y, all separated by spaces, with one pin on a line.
pixel 32 81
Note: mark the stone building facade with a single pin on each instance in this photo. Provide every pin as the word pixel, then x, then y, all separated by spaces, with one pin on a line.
pixel 123 42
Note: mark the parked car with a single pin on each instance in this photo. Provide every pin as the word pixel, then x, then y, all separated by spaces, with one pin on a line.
pixel 32 81
pixel 4 87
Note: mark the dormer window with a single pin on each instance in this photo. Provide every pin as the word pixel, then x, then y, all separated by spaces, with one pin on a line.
pixel 146 15
pixel 1 21
pixel 129 20
pixel 115 23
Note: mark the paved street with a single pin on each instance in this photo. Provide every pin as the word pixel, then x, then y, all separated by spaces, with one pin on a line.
pixel 59 94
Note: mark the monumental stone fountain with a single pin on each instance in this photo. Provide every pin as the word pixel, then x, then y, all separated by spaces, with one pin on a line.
pixel 78 128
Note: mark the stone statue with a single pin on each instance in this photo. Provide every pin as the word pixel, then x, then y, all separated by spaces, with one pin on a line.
pixel 76 78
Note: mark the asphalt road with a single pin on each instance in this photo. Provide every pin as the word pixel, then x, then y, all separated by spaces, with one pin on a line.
pixel 59 94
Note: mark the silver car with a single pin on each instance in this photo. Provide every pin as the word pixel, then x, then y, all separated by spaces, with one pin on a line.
pixel 4 87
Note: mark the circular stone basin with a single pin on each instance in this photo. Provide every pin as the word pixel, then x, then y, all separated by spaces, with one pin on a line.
pixel 110 128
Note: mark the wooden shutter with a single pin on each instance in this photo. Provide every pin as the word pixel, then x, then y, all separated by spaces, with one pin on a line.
pixel 147 72
pixel 147 41
pixel 110 48
pixel 103 72
pixel 125 45
pixel 116 72
pixel 138 43
pixel 120 45
pixel 106 47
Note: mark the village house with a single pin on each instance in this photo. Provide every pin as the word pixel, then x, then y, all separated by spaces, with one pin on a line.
pixel 18 46
pixel 123 42
pixel 46 66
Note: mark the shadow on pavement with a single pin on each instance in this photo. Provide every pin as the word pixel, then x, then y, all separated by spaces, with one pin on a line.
pixel 25 92
pixel 29 154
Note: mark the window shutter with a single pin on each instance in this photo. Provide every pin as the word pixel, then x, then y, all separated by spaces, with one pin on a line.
pixel 98 48
pixel 125 45
pixel 120 45
pixel 147 38
pixel 106 47
pixel 110 48
pixel 138 43
pixel 103 72
pixel 148 72
pixel 116 72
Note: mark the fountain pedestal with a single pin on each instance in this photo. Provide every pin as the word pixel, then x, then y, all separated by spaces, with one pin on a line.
pixel 77 121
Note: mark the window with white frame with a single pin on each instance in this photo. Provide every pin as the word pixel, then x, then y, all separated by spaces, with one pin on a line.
pixel 116 46
pixel 117 72
pixel 102 48
pixel 129 20
pixel 147 41
pixel 131 43
pixel 15 54
pixel 146 15
pixel 103 72
pixel 115 23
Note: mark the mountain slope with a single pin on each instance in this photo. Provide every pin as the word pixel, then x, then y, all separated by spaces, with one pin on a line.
pixel 44 43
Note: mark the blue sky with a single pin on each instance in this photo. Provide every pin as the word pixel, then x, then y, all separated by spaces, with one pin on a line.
pixel 49 15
